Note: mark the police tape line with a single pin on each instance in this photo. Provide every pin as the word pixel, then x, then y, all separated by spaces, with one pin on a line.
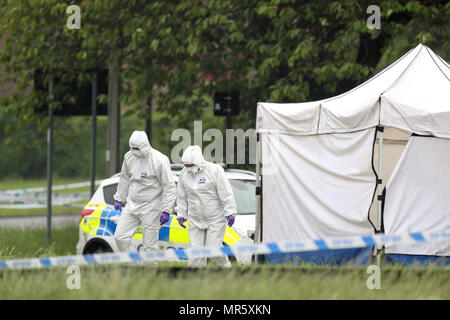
pixel 39 200
pixel 41 205
pixel 44 189
pixel 38 195
pixel 237 249
pixel 33 197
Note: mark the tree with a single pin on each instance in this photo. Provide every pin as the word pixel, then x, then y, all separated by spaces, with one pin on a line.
pixel 185 50
pixel 290 51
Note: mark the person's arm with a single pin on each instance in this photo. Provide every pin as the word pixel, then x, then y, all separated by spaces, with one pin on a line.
pixel 123 186
pixel 225 193
pixel 182 204
pixel 167 181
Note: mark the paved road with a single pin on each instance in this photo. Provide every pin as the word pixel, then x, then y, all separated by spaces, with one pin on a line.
pixel 38 221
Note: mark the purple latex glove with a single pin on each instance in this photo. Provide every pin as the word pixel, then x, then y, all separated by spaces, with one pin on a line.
pixel 118 206
pixel 230 220
pixel 164 218
pixel 181 221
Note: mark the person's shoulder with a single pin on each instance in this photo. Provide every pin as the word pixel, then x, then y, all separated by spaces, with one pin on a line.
pixel 128 156
pixel 160 156
pixel 213 167
pixel 182 176
pixel 182 173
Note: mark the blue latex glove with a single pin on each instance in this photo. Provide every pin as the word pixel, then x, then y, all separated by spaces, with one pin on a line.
pixel 164 218
pixel 230 220
pixel 118 206
pixel 181 221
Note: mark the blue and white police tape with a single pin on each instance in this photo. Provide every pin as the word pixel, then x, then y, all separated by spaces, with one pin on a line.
pixel 250 249
pixel 41 205
pixel 44 189
pixel 35 196
pixel 39 200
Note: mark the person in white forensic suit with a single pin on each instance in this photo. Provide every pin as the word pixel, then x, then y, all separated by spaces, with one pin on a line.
pixel 204 199
pixel 148 188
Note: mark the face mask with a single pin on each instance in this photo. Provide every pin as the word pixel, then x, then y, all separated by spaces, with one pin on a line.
pixel 192 170
pixel 137 153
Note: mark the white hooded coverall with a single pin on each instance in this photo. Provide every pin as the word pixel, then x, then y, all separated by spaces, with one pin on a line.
pixel 147 186
pixel 205 199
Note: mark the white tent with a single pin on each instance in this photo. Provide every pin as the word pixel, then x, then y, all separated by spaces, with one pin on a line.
pixel 317 159
pixel 411 94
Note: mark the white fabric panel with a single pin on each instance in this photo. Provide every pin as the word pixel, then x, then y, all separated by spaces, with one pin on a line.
pixel 295 118
pixel 419 101
pixel 418 195
pixel 317 186
pixel 441 63
pixel 359 108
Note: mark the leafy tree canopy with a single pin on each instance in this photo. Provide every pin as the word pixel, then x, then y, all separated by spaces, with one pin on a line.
pixel 183 51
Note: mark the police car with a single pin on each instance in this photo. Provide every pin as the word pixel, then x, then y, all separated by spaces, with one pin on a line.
pixel 99 218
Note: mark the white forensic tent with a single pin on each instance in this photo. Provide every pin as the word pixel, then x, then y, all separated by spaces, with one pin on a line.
pixel 418 195
pixel 317 160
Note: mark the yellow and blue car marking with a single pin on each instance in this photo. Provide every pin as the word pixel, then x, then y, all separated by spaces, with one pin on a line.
pixel 100 223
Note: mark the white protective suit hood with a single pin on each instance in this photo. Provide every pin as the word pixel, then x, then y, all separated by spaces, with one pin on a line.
pixel 193 155
pixel 139 140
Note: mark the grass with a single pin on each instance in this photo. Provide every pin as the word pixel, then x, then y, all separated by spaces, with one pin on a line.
pixel 264 283
pixel 18 243
pixel 174 281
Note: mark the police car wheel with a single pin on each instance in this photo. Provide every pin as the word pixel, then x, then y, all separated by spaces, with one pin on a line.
pixel 97 247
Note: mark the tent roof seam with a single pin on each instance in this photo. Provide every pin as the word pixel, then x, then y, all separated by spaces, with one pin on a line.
pixel 371 79
pixel 403 72
pixel 437 65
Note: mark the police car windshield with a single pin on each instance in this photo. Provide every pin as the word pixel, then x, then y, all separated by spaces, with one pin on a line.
pixel 244 194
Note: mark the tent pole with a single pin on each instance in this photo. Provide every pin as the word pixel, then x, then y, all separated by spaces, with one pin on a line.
pixel 49 162
pixel 380 189
pixel 258 193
